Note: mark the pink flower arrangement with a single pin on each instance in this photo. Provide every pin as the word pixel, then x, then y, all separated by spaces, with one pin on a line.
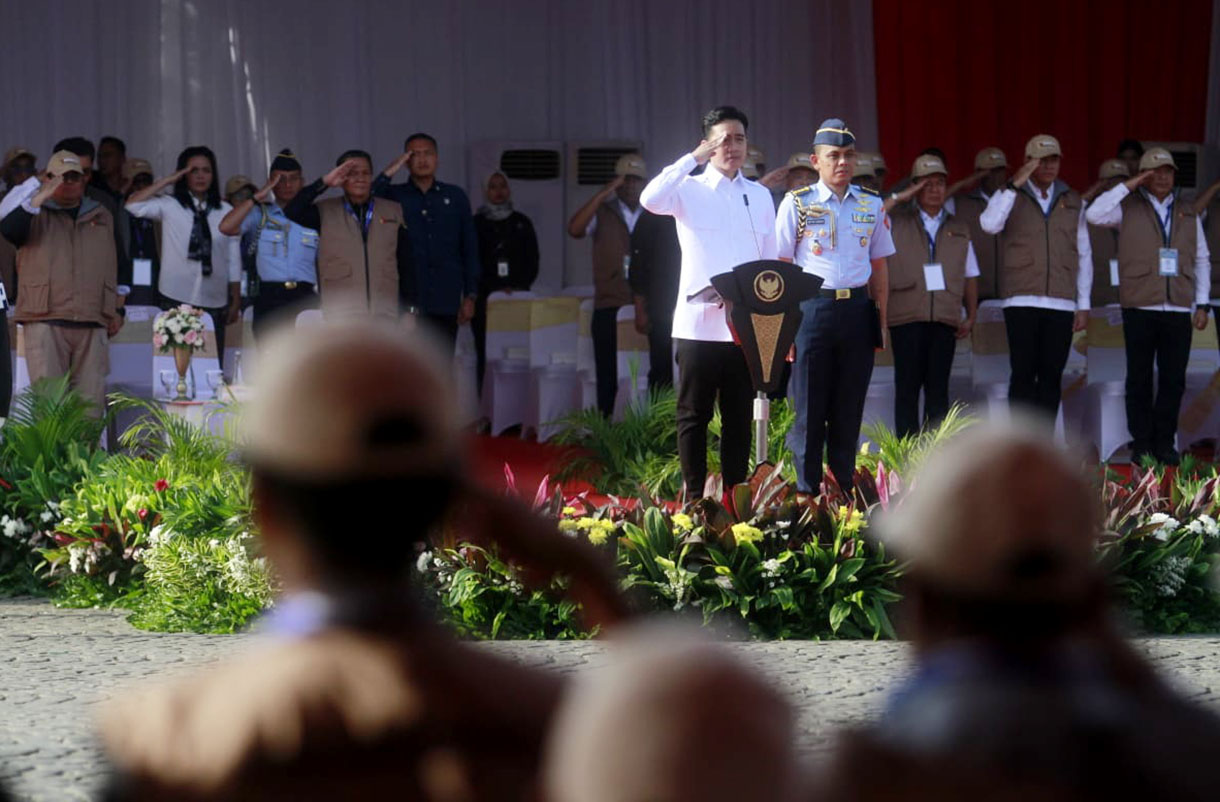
pixel 179 327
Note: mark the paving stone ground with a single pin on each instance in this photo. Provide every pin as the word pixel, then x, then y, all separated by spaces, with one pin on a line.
pixel 55 665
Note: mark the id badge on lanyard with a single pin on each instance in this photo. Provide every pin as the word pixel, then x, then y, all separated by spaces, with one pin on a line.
pixel 1169 261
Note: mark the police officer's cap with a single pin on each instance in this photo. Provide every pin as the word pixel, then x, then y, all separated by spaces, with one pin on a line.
pixel 834 132
pixel 351 400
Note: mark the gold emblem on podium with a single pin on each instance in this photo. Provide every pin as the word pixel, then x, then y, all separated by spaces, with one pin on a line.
pixel 768 286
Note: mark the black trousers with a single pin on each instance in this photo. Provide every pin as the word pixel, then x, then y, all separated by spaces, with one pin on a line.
pixel 604 331
pixel 443 326
pixel 276 304
pixel 220 316
pixel 478 328
pixel 829 382
pixel 711 372
pixel 1038 344
pixel 660 347
pixel 6 366
pixel 923 357
pixel 1165 338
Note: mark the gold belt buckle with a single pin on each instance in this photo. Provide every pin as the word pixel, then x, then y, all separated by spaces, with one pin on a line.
pixel 843 295
pixel 290 285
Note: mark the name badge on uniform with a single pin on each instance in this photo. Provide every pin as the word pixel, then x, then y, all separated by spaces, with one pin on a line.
pixel 141 272
pixel 1113 272
pixel 1169 261
pixel 934 277
pixel 502 269
pixel 627 266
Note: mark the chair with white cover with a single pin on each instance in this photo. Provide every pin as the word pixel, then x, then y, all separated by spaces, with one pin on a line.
pixel 202 361
pixel 506 394
pixel 632 361
pixel 989 366
pixel 309 317
pixel 21 369
pixel 555 392
pixel 131 351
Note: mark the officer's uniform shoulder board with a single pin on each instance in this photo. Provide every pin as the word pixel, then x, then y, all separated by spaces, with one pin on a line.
pixel 801 190
pixel 867 190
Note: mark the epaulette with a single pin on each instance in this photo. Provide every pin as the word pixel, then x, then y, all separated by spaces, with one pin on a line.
pixel 802 190
pixel 866 189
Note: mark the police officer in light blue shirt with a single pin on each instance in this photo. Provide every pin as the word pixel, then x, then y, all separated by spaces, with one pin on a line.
pixel 287 253
pixel 839 231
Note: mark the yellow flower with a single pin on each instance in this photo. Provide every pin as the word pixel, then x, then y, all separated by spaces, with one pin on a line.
pixel 586 523
pixel 598 535
pixel 568 526
pixel 683 521
pixel 851 518
pixel 569 510
pixel 744 533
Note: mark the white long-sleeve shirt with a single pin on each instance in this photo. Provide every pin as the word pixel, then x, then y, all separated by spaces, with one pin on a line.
pixel 1107 211
pixel 992 221
pixel 182 279
pixel 722 222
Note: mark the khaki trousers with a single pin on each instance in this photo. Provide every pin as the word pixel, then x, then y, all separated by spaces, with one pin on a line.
pixel 84 353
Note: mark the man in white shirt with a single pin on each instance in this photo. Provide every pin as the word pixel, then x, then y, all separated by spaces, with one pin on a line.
pixel 1045 273
pixel 723 220
pixel 1159 236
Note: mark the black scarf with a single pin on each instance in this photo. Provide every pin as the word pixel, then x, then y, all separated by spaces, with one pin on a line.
pixel 200 247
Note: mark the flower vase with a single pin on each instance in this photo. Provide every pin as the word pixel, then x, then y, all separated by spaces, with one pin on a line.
pixel 182 361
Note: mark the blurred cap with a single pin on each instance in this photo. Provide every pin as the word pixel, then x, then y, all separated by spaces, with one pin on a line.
pixel 1041 146
pixel 352 399
pixel 928 165
pixel 1114 168
pixel 1000 512
pixel 864 167
pixel 638 728
pixel 285 160
pixel 834 132
pixel 749 169
pixel 238 182
pixel 64 162
pixel 755 154
pixel 134 167
pixel 631 164
pixel 878 162
pixel 801 159
pixel 1156 157
pixel 990 158
pixel 17 152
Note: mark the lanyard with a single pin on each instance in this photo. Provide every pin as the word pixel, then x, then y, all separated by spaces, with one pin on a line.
pixel 368 213
pixel 1166 224
pixel 931 239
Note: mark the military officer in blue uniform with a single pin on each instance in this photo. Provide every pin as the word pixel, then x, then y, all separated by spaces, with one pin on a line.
pixel 287 252
pixel 839 231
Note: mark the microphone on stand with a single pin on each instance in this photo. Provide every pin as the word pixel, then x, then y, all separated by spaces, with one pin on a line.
pixel 746 199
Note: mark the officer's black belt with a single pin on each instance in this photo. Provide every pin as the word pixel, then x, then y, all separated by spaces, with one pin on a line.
pixel 288 285
pixel 845 294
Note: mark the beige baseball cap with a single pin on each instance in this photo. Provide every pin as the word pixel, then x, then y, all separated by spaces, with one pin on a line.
pixel 64 162
pixel 999 511
pixel 134 167
pixel 631 164
pixel 749 168
pixel 878 162
pixel 989 159
pixel 1157 157
pixel 237 182
pixel 928 165
pixel 1041 146
pixel 801 159
pixel 756 154
pixel 17 152
pixel 1113 168
pixel 864 167
pixel 352 399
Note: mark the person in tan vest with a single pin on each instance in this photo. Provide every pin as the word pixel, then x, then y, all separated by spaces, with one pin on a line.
pixel 1207 207
pixel 355 691
pixel 1164 278
pixel 69 274
pixel 1045 273
pixel 990 174
pixel 1022 686
pixel 609 217
pixel 364 263
pixel 1104 241
pixel 933 278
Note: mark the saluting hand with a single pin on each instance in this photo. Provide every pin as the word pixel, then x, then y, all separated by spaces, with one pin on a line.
pixel 1139 179
pixel 50 183
pixel 912 190
pixel 399 163
pixel 614 184
pixel 264 194
pixel 1026 171
pixel 706 148
pixel 337 176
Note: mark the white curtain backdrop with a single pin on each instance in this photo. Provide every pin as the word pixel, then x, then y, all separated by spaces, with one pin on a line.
pixel 248 77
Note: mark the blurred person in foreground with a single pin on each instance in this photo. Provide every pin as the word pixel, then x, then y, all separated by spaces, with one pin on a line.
pixel 357 692
pixel 671 717
pixel 1022 686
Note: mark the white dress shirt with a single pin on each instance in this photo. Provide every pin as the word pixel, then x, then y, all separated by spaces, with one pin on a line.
pixel 932 226
pixel 182 279
pixel 20 195
pixel 722 222
pixel 629 215
pixel 992 221
pixel 1107 211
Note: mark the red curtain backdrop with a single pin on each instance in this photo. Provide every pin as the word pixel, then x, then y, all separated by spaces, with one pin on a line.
pixel 964 74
